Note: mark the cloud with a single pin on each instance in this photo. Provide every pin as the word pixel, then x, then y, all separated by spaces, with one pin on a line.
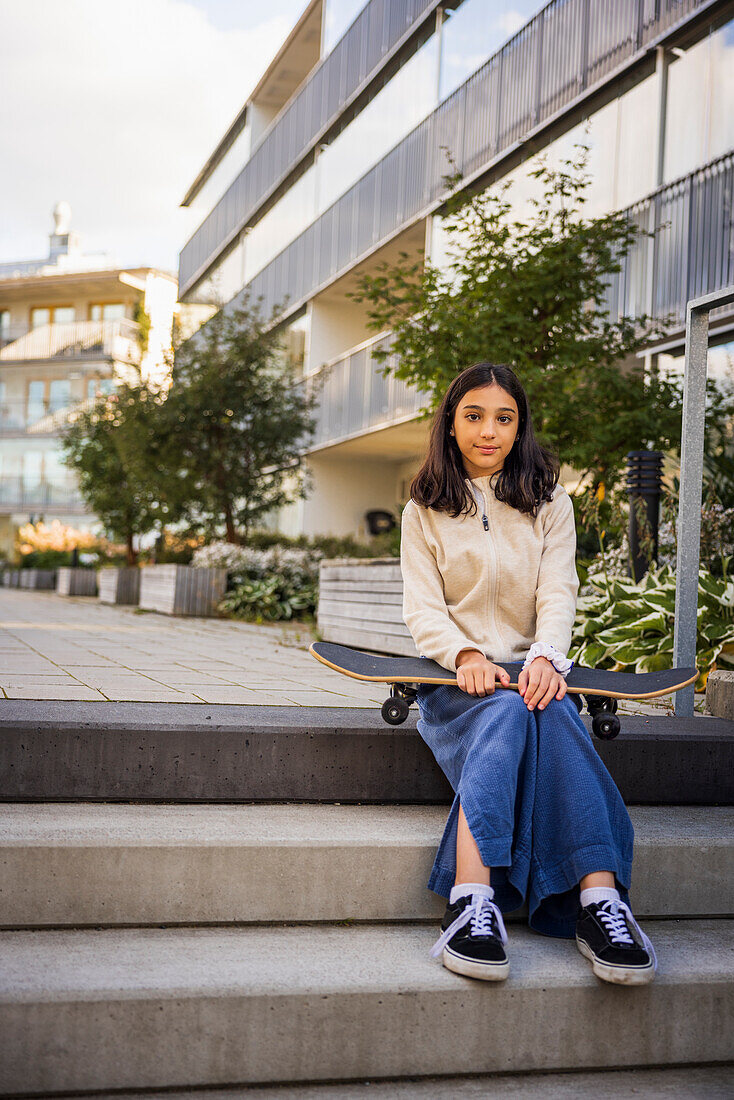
pixel 115 106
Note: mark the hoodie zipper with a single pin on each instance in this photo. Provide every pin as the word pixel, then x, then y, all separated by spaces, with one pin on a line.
pixel 493 552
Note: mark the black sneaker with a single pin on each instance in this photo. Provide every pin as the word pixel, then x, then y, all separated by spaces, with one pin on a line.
pixel 473 938
pixel 610 937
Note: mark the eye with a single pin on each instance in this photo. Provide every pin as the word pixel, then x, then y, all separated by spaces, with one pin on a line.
pixel 470 416
pixel 505 419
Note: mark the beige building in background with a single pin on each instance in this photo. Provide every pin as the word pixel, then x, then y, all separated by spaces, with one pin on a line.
pixel 69 331
pixel 337 162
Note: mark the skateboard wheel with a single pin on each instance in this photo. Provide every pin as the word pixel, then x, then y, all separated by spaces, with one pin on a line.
pixel 395 710
pixel 605 726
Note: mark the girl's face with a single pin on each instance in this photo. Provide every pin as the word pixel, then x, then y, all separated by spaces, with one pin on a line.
pixel 485 425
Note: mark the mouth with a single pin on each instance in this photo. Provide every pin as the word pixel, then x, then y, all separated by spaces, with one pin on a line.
pixel 487 450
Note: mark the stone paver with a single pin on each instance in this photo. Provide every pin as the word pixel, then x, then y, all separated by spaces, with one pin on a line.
pixel 55 647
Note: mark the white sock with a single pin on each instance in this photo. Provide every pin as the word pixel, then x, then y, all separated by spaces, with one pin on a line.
pixel 463 888
pixel 598 893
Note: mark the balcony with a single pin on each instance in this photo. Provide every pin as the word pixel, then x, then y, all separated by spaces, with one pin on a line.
pixel 38 418
pixel 549 68
pixel 687 256
pixel 356 397
pixel 117 340
pixel 20 494
pixel 380 29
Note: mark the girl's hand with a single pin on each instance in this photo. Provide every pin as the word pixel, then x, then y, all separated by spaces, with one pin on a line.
pixel 540 683
pixel 476 675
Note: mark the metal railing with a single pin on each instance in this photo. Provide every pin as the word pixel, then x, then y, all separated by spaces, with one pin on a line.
pixel 564 53
pixel 689 251
pixel 17 492
pixel 76 340
pixel 691 485
pixel 376 33
pixel 39 418
pixel 355 396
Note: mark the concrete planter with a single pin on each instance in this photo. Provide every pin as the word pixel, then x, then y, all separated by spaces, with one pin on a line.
pixel 720 694
pixel 360 604
pixel 119 585
pixel 38 579
pixel 181 589
pixel 76 582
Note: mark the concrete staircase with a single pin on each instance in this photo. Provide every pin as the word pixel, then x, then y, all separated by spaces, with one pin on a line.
pixel 194 945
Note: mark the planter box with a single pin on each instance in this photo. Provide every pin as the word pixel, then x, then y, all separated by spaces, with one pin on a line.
pixel 181 589
pixel 119 585
pixel 76 582
pixel 38 579
pixel 360 604
pixel 720 694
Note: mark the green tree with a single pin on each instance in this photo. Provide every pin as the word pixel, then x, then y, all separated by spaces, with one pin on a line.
pixel 236 424
pixel 98 444
pixel 531 292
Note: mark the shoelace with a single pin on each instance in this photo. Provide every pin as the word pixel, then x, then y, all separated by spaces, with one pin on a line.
pixel 486 921
pixel 612 915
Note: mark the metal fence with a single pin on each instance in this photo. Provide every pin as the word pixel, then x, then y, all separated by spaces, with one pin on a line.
pixel 117 339
pixel 692 248
pixel 570 47
pixel 355 396
pixel 17 492
pixel 691 251
pixel 355 59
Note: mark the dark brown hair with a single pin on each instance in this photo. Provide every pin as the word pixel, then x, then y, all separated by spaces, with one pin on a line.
pixel 529 474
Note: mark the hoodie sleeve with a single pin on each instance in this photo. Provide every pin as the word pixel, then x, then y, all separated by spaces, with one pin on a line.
pixel 558 583
pixel 424 606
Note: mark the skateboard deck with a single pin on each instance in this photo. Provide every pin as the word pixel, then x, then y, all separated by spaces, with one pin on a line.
pixel 419 670
pixel 601 689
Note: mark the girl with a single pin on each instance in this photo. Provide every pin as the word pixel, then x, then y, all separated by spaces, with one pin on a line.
pixel 488 563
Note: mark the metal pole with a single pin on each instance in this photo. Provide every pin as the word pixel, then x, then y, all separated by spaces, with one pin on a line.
pixel 691 479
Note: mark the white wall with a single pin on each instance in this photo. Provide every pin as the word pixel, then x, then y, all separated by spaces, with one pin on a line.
pixel 336 326
pixel 342 490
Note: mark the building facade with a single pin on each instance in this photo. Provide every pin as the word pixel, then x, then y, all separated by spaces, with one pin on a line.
pixel 70 330
pixel 337 163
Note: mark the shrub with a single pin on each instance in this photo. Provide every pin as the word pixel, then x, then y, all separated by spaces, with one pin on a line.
pixel 621 625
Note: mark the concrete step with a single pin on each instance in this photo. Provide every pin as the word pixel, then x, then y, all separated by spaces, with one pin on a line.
pixel 207 753
pixel 692 1083
pixel 112 864
pixel 156 1008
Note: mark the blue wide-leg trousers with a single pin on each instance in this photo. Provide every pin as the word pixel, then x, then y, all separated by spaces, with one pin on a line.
pixel 541 806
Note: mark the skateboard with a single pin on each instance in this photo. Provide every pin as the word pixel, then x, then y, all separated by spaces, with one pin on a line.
pixel 601 689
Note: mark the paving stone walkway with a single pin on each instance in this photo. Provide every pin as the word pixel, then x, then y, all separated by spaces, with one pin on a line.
pixel 56 647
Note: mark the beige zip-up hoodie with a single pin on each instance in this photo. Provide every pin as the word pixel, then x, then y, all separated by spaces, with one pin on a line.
pixel 496 590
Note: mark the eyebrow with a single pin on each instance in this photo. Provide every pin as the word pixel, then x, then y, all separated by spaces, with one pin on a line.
pixel 504 408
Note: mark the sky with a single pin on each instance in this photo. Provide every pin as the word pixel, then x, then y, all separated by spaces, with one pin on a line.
pixel 114 106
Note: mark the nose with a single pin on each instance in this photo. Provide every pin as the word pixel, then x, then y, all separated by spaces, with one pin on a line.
pixel 488 430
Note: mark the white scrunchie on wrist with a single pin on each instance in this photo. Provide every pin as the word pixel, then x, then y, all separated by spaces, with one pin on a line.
pixel 545 649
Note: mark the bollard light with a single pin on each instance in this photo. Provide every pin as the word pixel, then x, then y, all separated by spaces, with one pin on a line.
pixel 644 480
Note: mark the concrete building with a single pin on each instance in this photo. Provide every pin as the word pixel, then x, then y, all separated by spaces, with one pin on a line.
pixel 69 331
pixel 336 163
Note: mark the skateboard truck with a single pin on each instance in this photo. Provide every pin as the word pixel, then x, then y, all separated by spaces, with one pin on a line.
pixel 603 711
pixel 395 709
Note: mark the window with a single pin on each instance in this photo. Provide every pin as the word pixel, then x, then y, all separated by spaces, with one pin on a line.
pixel 32 469
pixel 52 315
pixel 59 395
pixel 4 324
pixel 36 401
pixel 98 386
pixel 106 311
